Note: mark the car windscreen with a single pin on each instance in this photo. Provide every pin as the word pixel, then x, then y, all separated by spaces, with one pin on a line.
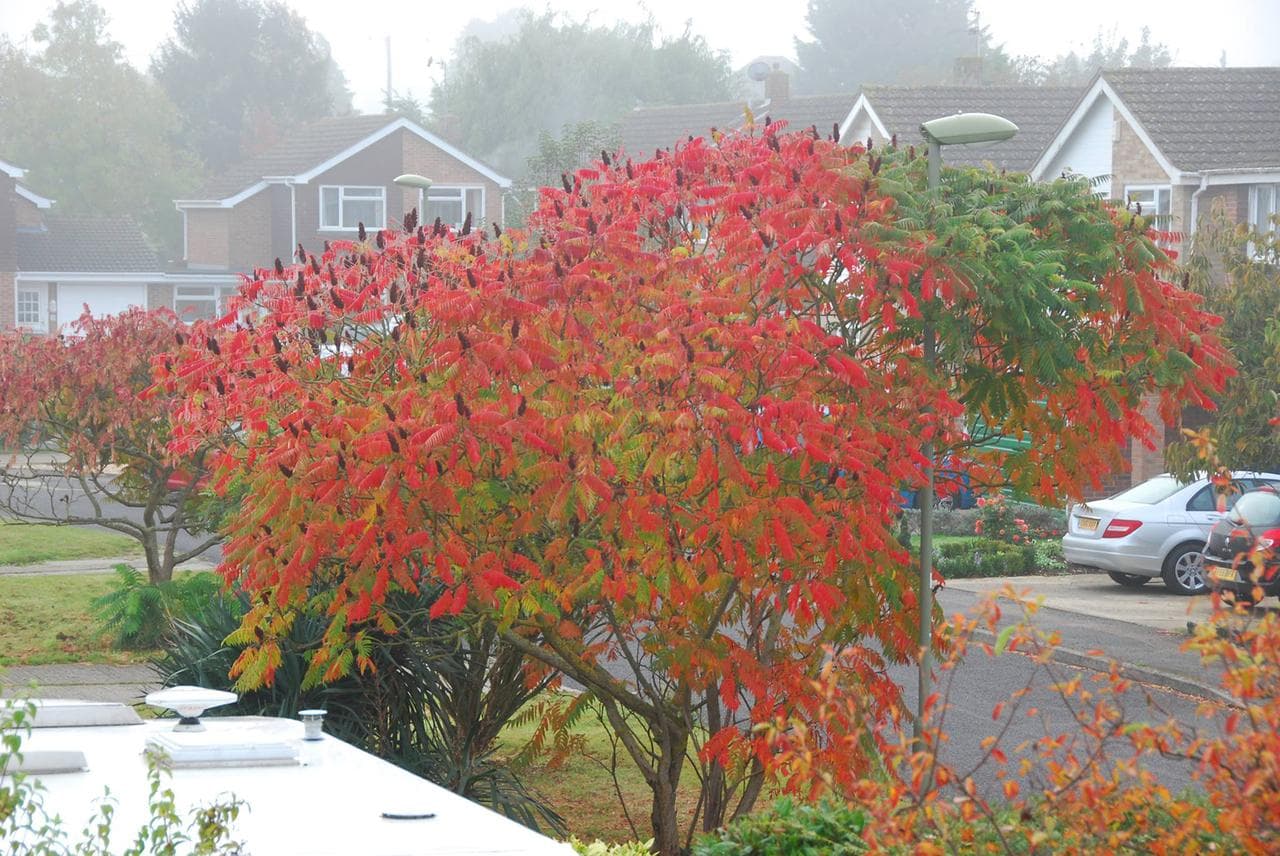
pixel 1151 491
pixel 1257 508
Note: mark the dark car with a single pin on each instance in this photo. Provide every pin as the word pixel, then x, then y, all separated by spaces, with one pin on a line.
pixel 1243 550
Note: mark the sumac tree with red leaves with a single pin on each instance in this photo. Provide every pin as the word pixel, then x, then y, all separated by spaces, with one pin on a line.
pixel 657 442
pixel 81 420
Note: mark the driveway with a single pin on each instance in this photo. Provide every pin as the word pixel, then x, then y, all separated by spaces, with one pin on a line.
pixel 1097 596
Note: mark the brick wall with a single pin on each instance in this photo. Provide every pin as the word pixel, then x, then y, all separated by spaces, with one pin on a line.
pixel 159 294
pixel 442 168
pixel 208 236
pixel 1131 161
pixel 7 309
pixel 250 230
pixel 25 213
pixel 8 260
pixel 375 166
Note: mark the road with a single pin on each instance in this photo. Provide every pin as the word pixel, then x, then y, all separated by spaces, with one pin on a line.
pixel 62 497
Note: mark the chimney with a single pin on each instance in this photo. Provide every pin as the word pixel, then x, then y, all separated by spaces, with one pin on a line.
pixel 777 86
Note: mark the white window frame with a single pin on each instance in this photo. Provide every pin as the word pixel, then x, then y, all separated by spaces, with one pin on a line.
pixel 1161 221
pixel 342 196
pixel 41 290
pixel 1255 201
pixel 460 193
pixel 192 293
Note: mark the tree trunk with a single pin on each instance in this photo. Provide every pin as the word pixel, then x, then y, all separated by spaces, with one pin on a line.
pixel 667 839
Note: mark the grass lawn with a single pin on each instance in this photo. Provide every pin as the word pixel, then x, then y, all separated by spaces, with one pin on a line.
pixel 583 792
pixel 46 619
pixel 26 544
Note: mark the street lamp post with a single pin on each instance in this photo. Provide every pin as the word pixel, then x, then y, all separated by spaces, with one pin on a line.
pixel 412 179
pixel 959 129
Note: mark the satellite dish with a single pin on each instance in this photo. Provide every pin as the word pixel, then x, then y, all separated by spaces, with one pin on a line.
pixel 758 70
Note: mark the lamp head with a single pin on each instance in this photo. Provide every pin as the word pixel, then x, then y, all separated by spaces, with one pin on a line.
pixel 410 179
pixel 968 128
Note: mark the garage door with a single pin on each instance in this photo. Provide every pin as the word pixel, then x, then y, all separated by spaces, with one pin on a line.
pixel 103 298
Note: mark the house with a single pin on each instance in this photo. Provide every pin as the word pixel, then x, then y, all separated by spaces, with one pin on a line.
pixel 881 113
pixel 52 265
pixel 1176 141
pixel 321 182
pixel 646 129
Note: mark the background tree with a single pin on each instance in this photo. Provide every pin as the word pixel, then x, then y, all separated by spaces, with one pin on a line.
pixel 1109 51
pixel 661 448
pixel 578 145
pixel 93 438
pixel 852 43
pixel 242 71
pixel 1237 269
pixel 97 136
pixel 555 72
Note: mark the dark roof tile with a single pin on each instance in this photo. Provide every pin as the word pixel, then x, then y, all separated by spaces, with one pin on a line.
pixel 1206 118
pixel 302 148
pixel 1038 111
pixel 72 244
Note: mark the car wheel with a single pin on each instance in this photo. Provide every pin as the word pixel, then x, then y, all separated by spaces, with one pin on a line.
pixel 1128 580
pixel 1184 570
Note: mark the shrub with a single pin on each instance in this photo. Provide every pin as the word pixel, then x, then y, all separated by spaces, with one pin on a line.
pixel 433 697
pixel 984 557
pixel 1015 522
pixel 139 613
pixel 827 828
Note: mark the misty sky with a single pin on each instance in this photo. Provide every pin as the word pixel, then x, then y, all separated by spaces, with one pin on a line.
pixel 1197 31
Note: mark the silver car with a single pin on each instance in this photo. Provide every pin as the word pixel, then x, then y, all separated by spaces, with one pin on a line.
pixel 1154 529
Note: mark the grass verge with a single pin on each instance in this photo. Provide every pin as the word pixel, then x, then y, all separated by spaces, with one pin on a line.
pixel 29 543
pixel 583 791
pixel 46 619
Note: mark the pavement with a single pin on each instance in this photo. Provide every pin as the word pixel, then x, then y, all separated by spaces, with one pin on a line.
pixel 1100 622
pixel 1097 621
pixel 88 681
pixel 91 566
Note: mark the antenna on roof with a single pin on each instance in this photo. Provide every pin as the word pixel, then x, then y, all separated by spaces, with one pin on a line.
pixel 758 71
pixel 390 91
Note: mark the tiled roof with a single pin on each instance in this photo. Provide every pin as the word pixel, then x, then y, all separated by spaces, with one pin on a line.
pixel 649 128
pixel 301 149
pixel 1038 111
pixel 1206 118
pixel 73 244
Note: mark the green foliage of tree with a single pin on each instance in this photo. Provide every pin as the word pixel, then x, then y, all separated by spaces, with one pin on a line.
pixel 97 135
pixel 555 71
pixel 1108 51
pixel 1237 270
pixel 242 71
pixel 885 41
pixel 578 146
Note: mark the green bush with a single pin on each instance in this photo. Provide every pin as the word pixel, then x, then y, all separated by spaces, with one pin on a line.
pixel 984 557
pixel 138 613
pixel 794 829
pixel 434 703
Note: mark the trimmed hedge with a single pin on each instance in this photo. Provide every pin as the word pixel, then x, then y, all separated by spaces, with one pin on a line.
pixel 984 557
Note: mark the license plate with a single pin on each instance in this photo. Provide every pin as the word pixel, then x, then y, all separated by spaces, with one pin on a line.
pixel 1087 524
pixel 1225 575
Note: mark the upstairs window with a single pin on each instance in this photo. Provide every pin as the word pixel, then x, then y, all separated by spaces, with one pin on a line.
pixel 452 204
pixel 344 208
pixel 1155 202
